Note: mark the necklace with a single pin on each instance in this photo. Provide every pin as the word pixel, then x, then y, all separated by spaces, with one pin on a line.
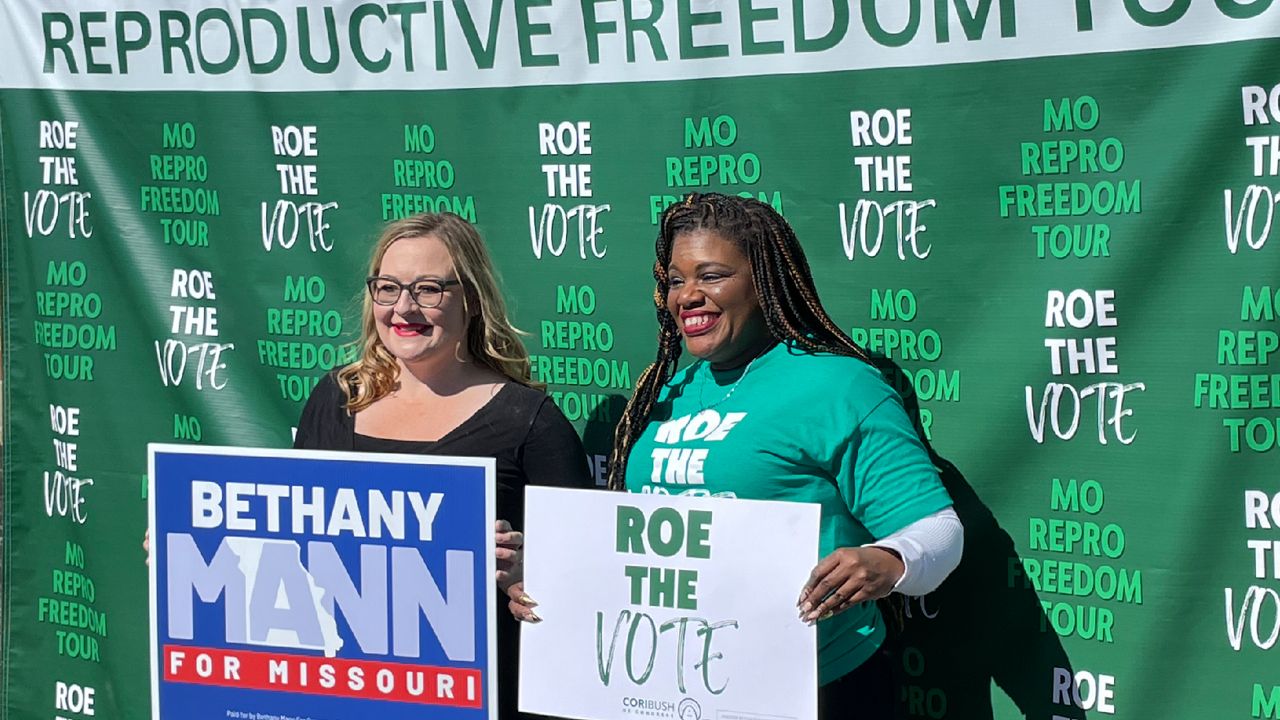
pixel 703 405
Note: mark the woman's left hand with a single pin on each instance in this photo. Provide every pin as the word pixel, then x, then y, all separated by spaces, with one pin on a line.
pixel 508 548
pixel 847 577
pixel 521 605
pixel 510 556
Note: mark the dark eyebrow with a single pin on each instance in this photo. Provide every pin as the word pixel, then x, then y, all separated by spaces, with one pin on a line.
pixel 703 266
pixel 414 281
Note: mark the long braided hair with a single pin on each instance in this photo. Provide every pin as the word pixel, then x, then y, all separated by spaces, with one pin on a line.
pixel 783 284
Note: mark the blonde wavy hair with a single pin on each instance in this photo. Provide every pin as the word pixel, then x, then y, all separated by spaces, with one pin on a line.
pixel 492 340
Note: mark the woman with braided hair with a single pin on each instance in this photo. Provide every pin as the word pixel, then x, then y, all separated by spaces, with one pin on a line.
pixel 799 414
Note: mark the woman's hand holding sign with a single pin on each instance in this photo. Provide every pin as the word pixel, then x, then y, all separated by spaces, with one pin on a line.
pixel 846 577
pixel 510 554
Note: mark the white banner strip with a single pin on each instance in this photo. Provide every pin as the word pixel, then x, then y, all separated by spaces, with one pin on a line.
pixel 444 44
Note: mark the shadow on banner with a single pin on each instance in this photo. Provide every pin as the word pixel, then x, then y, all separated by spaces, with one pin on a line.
pixel 980 627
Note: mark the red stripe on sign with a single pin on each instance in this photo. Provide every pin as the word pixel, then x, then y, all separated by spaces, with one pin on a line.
pixel 314 675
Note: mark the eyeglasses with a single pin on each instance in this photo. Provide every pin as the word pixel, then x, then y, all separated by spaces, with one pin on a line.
pixel 426 293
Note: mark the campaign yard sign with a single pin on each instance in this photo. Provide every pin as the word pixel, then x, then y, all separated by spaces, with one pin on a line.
pixel 667 607
pixel 321 585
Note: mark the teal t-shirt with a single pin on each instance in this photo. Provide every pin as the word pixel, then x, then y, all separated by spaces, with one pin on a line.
pixel 802 427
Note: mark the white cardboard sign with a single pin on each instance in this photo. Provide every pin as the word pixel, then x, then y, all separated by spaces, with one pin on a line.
pixel 660 606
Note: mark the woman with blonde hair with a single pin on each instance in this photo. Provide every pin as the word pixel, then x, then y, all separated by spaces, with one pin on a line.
pixel 442 371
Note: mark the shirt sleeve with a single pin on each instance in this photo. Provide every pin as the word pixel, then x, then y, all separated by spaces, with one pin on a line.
pixel 885 472
pixel 552 453
pixel 930 549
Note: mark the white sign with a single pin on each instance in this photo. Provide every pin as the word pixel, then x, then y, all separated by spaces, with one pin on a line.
pixel 667 607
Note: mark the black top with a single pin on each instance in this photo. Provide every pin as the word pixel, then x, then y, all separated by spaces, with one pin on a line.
pixel 520 427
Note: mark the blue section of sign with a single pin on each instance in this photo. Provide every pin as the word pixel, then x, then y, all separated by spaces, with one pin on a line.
pixel 317 562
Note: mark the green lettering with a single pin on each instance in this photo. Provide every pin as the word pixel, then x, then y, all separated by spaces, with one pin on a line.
pixel 593 28
pixel 358 16
pixel 1156 18
pixel 647 25
pixel 249 16
pixel 748 16
pixel 687 20
pixel 225 65
pixel 1257 307
pixel 61 42
pixel 871 18
pixel 839 26
pixel 973 22
pixel 630 528
pixel 1241 11
pixel 670 517
pixel 406 11
pixel 636 574
pixel 699 534
pixel 170 42
pixel 124 45
pixel 1266 705
pixel 687 590
pixel 91 42
pixel 304 42
pixel 525 30
pixel 481 52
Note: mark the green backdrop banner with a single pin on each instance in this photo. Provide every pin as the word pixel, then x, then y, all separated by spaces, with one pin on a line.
pixel 1052 219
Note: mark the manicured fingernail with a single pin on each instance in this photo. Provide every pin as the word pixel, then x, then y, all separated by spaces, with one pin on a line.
pixel 526 600
pixel 826 615
pixel 533 617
